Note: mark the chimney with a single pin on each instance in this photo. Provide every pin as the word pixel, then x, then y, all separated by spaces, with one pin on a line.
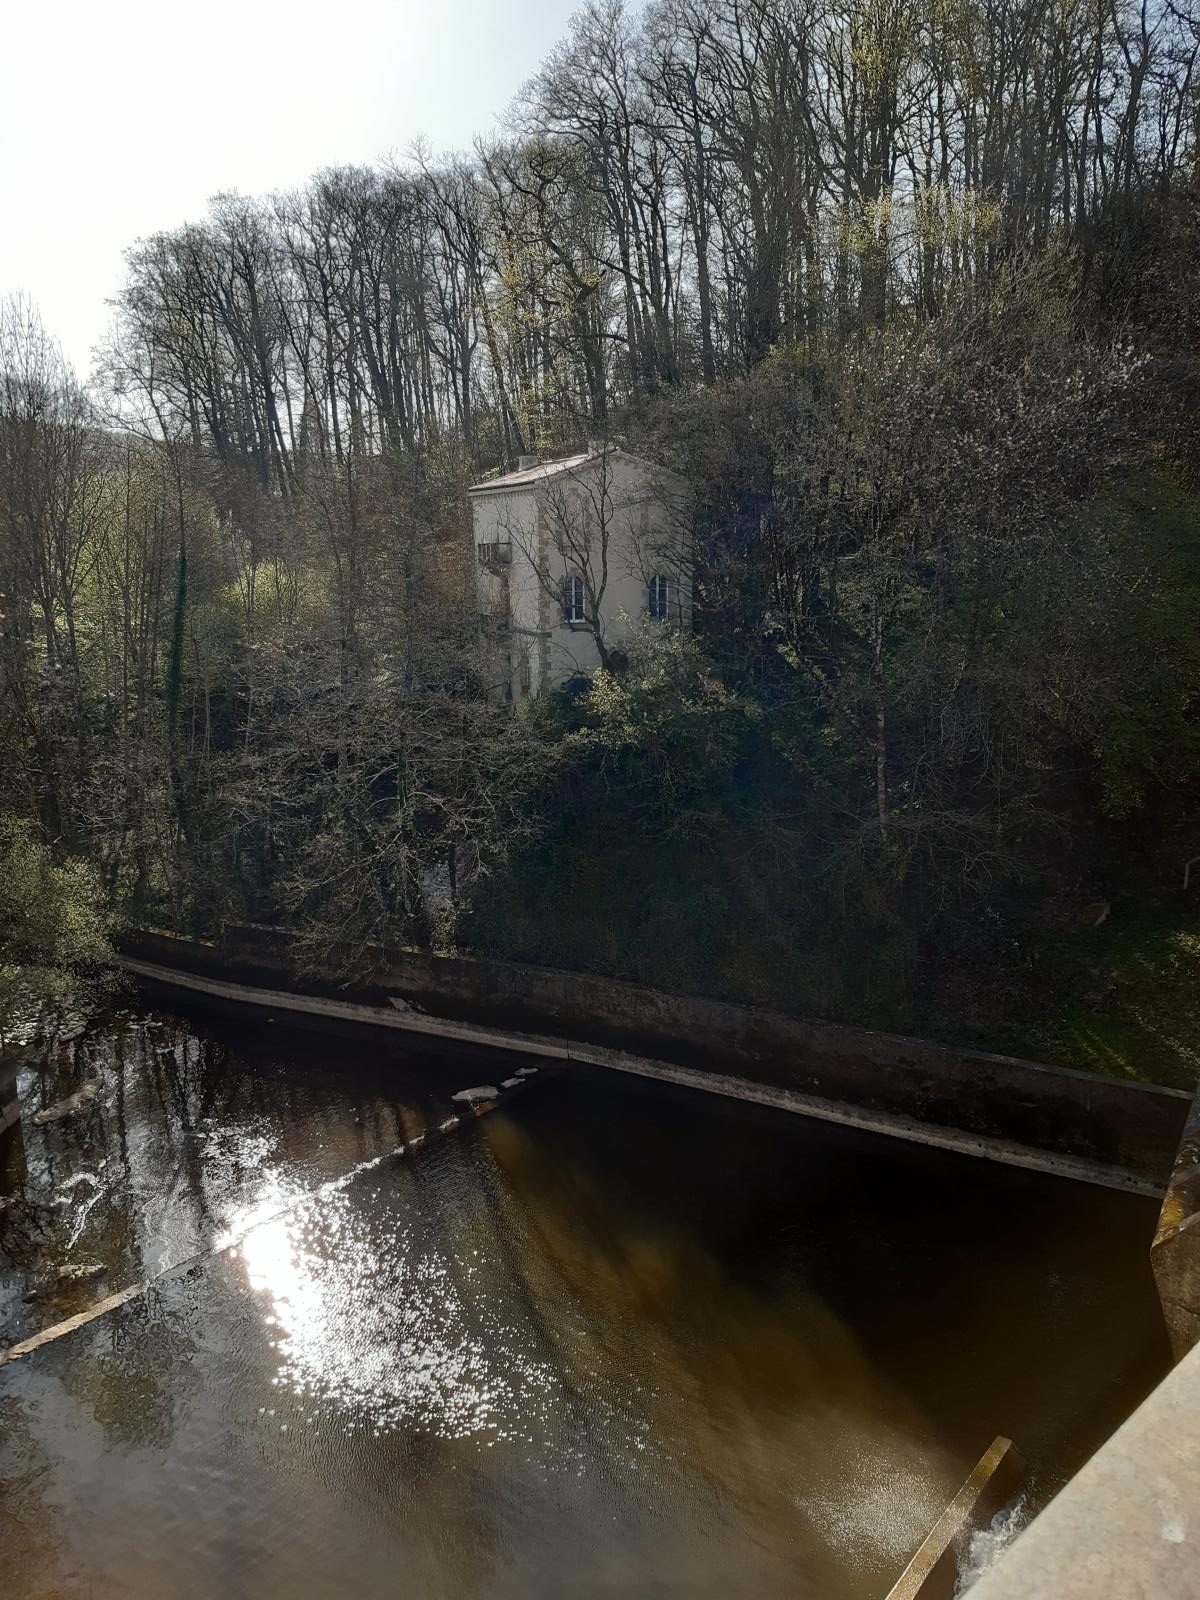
pixel 525 462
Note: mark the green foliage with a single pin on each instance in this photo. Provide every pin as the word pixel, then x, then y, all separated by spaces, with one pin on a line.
pixel 946 676
pixel 619 877
pixel 1149 739
pixel 677 842
pixel 667 734
pixel 174 683
pixel 54 924
pixel 174 687
pixel 1122 1000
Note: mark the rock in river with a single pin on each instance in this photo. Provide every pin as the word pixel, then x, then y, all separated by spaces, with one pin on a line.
pixel 81 1273
pixel 66 1108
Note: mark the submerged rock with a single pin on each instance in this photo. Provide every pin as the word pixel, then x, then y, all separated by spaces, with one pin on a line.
pixel 485 1091
pixel 511 1083
pixel 82 1273
pixel 66 1108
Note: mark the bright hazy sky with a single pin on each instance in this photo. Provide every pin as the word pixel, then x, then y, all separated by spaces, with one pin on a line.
pixel 121 117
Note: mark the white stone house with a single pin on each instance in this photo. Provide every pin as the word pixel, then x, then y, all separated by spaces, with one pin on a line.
pixel 575 558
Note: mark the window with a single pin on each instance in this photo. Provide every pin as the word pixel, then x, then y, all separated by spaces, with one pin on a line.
pixel 572 599
pixel 660 598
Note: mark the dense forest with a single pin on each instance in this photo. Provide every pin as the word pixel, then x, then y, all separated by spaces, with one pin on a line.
pixel 907 292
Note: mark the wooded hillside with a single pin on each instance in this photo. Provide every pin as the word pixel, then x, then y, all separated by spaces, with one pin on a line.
pixel 908 293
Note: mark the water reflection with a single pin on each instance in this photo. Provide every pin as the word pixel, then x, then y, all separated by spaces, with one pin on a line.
pixel 184 1144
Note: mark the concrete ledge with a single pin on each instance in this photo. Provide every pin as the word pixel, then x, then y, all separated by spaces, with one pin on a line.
pixel 1127 1526
pixel 1015 1111
pixel 933 1572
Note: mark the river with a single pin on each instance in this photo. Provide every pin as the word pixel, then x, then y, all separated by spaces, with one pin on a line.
pixel 614 1338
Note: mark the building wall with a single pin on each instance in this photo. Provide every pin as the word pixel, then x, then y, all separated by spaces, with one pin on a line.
pixel 513 519
pixel 620 515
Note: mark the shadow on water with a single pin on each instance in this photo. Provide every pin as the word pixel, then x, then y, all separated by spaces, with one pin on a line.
pixel 993 1299
pixel 613 1339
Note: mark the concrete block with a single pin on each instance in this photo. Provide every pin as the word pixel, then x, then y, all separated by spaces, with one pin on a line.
pixel 1127 1526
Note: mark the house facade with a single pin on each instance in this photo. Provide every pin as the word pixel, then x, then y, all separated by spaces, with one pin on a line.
pixel 575 558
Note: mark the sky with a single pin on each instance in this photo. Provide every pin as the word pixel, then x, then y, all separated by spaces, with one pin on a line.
pixel 119 118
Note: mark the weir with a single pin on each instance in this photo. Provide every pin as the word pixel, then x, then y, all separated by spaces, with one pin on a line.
pixel 1018 1112
pixel 935 1569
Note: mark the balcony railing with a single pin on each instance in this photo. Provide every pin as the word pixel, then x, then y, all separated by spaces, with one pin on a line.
pixel 495 557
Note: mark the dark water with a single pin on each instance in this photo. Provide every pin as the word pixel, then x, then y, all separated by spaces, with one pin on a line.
pixel 614 1339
